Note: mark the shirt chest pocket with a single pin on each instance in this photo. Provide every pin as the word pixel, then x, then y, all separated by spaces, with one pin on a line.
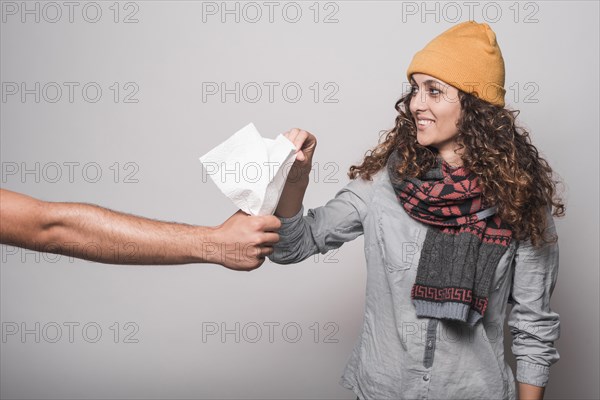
pixel 398 240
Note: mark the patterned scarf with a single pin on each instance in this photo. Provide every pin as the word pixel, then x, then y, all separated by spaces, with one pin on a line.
pixel 462 247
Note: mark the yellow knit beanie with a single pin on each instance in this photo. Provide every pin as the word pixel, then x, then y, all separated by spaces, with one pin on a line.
pixel 467 57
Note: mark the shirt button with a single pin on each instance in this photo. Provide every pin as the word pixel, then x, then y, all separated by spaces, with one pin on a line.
pixel 430 344
pixel 425 378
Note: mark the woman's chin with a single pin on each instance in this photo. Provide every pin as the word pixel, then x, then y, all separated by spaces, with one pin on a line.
pixel 423 141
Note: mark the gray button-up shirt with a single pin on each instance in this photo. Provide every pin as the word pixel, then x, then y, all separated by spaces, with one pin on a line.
pixel 401 356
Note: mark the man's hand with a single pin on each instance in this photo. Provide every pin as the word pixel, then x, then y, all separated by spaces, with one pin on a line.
pixel 243 241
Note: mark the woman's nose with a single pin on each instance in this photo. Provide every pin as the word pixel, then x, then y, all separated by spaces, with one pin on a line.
pixel 419 101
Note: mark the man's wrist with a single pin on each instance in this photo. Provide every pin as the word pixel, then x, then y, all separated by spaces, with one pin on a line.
pixel 205 249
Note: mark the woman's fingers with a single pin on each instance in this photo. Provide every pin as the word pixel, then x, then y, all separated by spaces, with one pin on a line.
pixel 301 138
pixel 304 143
pixel 297 137
pixel 291 135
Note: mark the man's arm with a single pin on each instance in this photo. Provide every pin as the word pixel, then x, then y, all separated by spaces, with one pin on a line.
pixel 98 234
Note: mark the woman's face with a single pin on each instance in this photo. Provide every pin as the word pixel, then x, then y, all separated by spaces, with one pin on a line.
pixel 435 107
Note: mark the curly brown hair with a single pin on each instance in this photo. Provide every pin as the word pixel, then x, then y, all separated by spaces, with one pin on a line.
pixel 512 173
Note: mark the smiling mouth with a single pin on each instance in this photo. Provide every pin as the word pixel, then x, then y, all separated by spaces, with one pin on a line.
pixel 424 122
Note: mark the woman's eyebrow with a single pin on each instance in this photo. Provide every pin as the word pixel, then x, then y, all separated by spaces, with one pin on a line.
pixel 433 82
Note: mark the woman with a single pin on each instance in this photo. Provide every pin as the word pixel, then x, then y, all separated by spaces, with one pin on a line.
pixel 456 207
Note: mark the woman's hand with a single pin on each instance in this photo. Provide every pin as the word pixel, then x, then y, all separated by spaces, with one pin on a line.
pixel 291 198
pixel 305 143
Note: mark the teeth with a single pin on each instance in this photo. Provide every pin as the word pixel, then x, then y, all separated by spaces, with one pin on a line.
pixel 424 121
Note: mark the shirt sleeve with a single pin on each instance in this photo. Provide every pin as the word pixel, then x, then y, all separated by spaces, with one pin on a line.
pixel 323 228
pixel 533 324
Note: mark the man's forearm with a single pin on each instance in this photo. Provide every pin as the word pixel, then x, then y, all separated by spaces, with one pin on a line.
pixel 98 234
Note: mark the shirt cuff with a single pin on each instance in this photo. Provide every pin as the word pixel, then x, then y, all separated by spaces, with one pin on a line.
pixel 293 218
pixel 532 374
pixel 289 224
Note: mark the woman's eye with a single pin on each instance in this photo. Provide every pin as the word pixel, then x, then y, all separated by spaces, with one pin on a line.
pixel 434 91
pixel 414 90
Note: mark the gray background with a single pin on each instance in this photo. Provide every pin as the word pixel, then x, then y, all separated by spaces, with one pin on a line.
pixel 551 54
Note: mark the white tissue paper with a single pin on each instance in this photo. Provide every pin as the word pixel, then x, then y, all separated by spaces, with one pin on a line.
pixel 251 170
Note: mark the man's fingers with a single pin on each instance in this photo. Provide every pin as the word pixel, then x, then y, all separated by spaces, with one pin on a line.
pixel 270 238
pixel 259 252
pixel 271 223
pixel 266 251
